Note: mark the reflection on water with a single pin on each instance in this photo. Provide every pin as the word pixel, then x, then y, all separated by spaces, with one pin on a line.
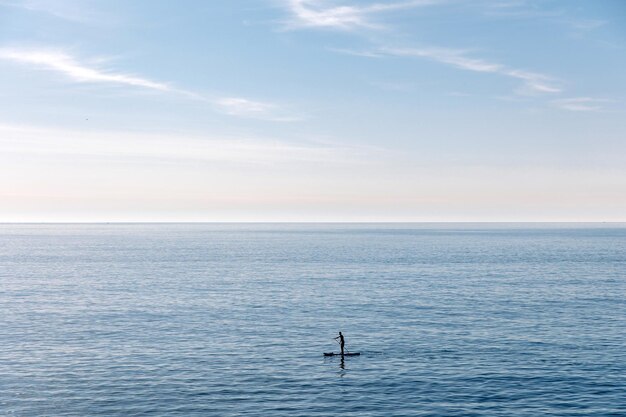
pixel 342 363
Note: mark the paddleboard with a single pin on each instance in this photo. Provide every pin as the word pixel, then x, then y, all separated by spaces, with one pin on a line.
pixel 339 354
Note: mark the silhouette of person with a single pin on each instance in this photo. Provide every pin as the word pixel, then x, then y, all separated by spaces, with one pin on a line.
pixel 342 342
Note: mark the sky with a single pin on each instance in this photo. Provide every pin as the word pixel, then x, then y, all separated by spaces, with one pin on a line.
pixel 312 110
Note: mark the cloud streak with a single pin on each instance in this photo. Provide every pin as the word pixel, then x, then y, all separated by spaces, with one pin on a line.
pixel 77 71
pixel 149 147
pixel 532 82
pixel 70 67
pixel 74 11
pixel 318 14
pixel 580 104
pixel 243 107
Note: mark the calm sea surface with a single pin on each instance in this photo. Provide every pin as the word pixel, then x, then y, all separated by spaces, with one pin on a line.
pixel 232 320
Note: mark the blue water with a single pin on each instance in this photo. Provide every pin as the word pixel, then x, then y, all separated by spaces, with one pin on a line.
pixel 232 320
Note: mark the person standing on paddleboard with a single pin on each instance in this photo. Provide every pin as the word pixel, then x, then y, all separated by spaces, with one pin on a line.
pixel 342 342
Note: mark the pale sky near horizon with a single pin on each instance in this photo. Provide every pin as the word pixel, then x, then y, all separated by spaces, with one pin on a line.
pixel 313 110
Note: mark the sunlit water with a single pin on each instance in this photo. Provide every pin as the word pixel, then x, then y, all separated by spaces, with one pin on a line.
pixel 232 320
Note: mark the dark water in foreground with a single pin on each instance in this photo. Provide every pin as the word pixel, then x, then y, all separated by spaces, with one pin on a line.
pixel 232 320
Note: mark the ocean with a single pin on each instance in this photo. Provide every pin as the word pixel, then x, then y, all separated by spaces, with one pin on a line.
pixel 232 319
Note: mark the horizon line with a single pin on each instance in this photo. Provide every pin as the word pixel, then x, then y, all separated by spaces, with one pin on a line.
pixel 324 222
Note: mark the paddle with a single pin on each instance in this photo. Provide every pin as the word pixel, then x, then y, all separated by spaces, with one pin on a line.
pixel 346 349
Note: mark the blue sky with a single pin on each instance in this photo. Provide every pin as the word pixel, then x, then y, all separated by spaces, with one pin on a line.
pixel 313 110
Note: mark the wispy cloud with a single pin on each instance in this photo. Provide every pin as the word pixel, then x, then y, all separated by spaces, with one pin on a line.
pixel 454 57
pixel 150 147
pixel 524 9
pixel 587 24
pixel 70 67
pixel 70 10
pixel 322 14
pixel 88 72
pixel 363 53
pixel 584 104
pixel 516 9
pixel 243 107
pixel 392 85
pixel 533 83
